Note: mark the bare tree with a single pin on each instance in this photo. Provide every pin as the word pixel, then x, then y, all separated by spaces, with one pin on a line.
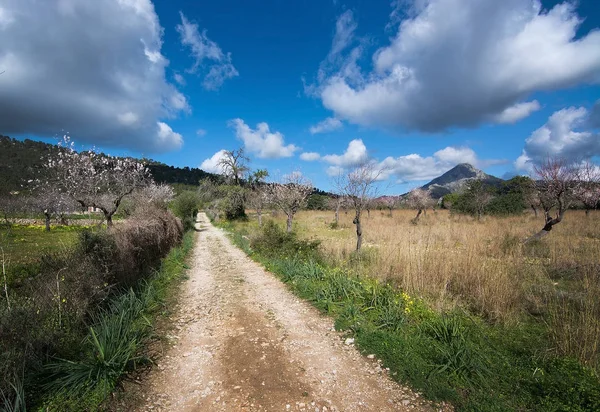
pixel 93 179
pixel 390 203
pixel 419 199
pixel 234 165
pixel 358 186
pixel 336 203
pixel 290 195
pixel 155 195
pixel 259 197
pixel 259 200
pixel 556 182
pixel 50 203
pixel 588 190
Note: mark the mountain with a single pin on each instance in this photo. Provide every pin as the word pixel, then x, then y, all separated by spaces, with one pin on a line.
pixel 23 160
pixel 456 179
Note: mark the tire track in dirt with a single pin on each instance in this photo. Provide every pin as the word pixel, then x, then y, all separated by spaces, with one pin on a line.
pixel 243 342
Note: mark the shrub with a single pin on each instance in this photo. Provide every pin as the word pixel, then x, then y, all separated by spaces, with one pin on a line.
pixel 185 207
pixel 273 241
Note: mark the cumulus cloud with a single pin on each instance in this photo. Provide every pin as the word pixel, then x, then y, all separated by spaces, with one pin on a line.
pixel 411 167
pixel 204 49
pixel 106 87
pixel 212 165
pixel 261 141
pixel 355 154
pixel 568 134
pixel 458 63
pixel 310 156
pixel 414 167
pixel 519 111
pixel 328 125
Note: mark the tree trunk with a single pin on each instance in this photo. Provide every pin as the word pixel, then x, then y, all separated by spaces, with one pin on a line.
pixel 358 231
pixel 337 216
pixel 535 212
pixel 47 215
pixel 587 212
pixel 418 215
pixel 390 211
pixel 259 213
pixel 289 222
pixel 548 226
pixel 368 213
pixel 108 216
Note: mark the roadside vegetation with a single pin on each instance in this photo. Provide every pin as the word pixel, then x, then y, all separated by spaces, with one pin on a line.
pixel 458 312
pixel 79 300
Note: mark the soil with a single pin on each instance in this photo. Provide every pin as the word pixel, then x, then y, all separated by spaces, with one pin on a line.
pixel 240 341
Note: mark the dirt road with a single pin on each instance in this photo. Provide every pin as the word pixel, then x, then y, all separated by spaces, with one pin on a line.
pixel 243 342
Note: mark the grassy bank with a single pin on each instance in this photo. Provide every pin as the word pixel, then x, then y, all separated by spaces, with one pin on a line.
pixel 114 345
pixel 69 326
pixel 448 352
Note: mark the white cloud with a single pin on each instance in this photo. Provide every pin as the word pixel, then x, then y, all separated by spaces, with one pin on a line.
pixel 456 155
pixel 179 79
pixel 261 141
pixel 459 63
pixel 201 49
pixel 212 164
pixel 200 132
pixel 414 167
pixel 334 171
pixel 519 111
pixel 355 154
pixel 567 134
pixel 168 136
pixel 106 87
pixel 310 156
pixel 328 125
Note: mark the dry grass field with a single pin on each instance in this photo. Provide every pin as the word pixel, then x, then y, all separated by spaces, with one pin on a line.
pixel 483 266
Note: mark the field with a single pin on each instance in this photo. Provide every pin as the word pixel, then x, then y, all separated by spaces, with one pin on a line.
pixel 457 262
pixel 24 244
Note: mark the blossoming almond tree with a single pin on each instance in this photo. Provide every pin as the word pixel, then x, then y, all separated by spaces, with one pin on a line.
pixel 93 179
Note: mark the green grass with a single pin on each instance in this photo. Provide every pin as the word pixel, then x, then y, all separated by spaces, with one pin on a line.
pixel 24 244
pixel 115 342
pixel 456 357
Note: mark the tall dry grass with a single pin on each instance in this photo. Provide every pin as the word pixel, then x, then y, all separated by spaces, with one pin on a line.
pixel 482 265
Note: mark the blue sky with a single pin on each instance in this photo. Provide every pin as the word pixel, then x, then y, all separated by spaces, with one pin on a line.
pixel 310 85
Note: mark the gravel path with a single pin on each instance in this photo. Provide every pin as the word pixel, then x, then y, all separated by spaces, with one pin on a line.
pixel 243 342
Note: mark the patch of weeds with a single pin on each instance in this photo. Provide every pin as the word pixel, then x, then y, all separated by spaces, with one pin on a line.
pixel 536 248
pixel 510 244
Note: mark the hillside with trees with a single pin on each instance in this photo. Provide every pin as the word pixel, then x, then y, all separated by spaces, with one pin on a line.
pixel 23 160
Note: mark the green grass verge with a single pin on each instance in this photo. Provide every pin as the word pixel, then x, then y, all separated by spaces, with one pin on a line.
pixel 456 357
pixel 115 342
